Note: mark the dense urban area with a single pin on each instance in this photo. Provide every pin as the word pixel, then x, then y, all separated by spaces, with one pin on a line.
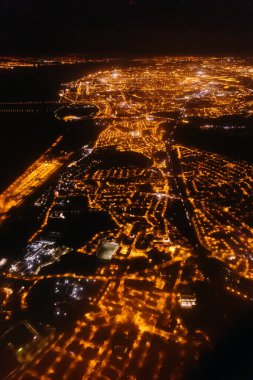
pixel 128 256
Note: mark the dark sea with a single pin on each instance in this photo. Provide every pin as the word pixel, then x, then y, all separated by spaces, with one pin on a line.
pixel 24 136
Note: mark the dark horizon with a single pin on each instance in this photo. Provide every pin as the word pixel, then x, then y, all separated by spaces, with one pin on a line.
pixel 126 27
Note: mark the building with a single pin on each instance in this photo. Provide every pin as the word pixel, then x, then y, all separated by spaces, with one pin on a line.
pixel 106 250
pixel 187 301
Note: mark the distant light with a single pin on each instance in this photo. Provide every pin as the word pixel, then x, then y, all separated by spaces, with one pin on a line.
pixel 3 262
pixel 13 268
pixel 115 74
pixel 232 258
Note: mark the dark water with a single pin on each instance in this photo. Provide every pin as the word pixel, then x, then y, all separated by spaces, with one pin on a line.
pixel 235 142
pixel 24 136
pixel 41 83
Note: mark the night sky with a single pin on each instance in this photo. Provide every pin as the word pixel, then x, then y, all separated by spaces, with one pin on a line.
pixel 126 26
